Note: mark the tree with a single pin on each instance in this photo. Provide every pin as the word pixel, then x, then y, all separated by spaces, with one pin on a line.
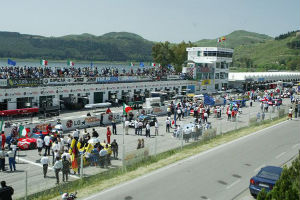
pixel 162 53
pixel 180 54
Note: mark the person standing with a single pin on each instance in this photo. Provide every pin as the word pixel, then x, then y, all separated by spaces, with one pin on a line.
pixel 3 139
pixel 6 191
pixel 156 128
pixel 263 116
pixel 296 110
pixel 65 169
pixel 205 115
pixel 57 167
pixel 2 160
pixel 140 128
pixel 139 144
pixel 126 127
pixel 114 127
pixel 108 134
pixel 179 114
pixel 114 148
pixel 136 126
pixel 47 144
pixel 76 134
pixel 291 113
pixel 148 130
pixel 11 160
pixel 168 125
pixel 39 144
pixel 45 163
pixel 95 133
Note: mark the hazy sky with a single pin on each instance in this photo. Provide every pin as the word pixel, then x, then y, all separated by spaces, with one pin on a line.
pixel 157 20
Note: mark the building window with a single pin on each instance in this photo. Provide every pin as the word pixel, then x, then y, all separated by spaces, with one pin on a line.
pixel 217 86
pixel 198 53
pixel 211 75
pixel 218 65
pixel 222 75
pixel 217 76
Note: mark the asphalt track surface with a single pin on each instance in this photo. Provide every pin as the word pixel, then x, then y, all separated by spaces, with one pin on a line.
pixel 219 173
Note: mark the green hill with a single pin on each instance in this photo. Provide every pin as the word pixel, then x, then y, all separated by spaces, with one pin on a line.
pixel 120 46
pixel 235 39
pixel 279 54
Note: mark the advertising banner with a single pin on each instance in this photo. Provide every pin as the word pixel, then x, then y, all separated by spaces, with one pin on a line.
pixel 25 82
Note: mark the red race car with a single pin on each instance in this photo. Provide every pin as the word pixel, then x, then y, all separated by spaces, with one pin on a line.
pixel 27 143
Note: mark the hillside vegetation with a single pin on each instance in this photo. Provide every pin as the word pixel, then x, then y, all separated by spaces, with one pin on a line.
pixel 120 46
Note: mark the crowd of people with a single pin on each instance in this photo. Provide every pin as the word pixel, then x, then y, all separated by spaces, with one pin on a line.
pixel 10 72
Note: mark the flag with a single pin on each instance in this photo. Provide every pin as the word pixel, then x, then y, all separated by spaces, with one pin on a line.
pixel 1 124
pixel 126 109
pixel 223 38
pixel 44 62
pixel 70 63
pixel 91 63
pixel 159 65
pixel 23 132
pixel 11 62
pixel 219 40
pixel 131 64
pixel 209 100
pixel 153 64
pixel 142 64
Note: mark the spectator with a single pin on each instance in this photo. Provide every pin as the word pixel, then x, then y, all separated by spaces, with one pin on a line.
pixel 6 192
pixel 47 144
pixel 108 134
pixel 39 144
pixel 2 160
pixel 45 163
pixel 168 124
pixel 114 127
pixel 65 169
pixel 139 144
pixel 11 160
pixel 95 133
pixel 57 167
pixel 156 128
pixel 126 127
pixel 3 139
pixel 148 130
pixel 115 148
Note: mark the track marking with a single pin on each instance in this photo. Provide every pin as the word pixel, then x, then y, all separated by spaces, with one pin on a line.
pixel 40 165
pixel 279 155
pixel 257 169
pixel 232 184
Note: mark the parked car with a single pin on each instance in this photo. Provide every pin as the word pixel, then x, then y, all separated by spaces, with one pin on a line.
pixel 145 118
pixel 265 178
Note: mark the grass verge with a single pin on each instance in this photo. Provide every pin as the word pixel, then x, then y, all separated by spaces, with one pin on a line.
pixel 101 181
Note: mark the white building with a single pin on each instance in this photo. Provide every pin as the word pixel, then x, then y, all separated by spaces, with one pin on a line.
pixel 209 66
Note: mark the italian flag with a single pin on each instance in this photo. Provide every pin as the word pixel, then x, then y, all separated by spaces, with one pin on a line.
pixel 153 64
pixel 70 63
pixel 23 131
pixel 126 109
pixel 44 62
pixel 131 64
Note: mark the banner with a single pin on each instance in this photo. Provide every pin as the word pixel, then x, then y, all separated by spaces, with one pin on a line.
pixel 25 82
pixel 205 82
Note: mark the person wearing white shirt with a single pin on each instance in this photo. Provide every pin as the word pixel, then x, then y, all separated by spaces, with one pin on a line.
pixel 76 134
pixel 47 141
pixel 57 167
pixel 156 127
pixel 45 163
pixel 136 126
pixel 67 155
pixel 126 127
pixel 55 148
pixel 148 130
pixel 39 144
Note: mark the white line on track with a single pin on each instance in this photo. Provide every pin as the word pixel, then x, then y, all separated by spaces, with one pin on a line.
pixel 279 155
pixel 232 184
pixel 181 161
pixel 295 145
pixel 40 165
pixel 257 169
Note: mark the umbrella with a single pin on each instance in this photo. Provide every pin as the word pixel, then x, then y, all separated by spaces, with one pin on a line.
pixel 93 140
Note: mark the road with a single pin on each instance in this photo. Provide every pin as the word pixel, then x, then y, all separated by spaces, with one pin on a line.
pixel 220 173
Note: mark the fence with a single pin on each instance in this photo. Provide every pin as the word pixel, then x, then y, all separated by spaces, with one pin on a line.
pixel 89 165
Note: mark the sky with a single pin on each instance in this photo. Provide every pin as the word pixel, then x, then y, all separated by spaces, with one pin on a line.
pixel 155 20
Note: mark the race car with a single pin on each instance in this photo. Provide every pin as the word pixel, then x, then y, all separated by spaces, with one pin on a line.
pixel 26 143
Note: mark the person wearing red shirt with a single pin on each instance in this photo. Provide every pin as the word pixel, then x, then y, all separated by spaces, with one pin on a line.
pixel 3 139
pixel 108 134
